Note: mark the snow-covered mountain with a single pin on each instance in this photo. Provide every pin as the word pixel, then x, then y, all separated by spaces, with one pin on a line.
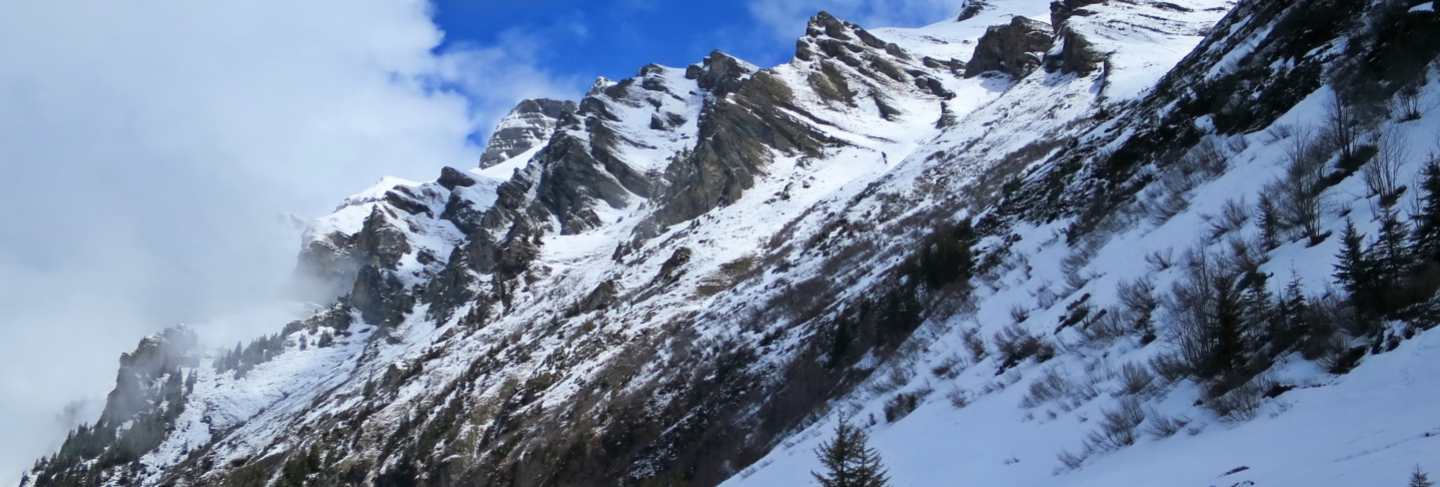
pixel 1083 242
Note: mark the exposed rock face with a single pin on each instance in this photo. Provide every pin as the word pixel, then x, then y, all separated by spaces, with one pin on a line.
pixel 1076 54
pixel 1015 49
pixel 1063 9
pixel 528 125
pixel 971 9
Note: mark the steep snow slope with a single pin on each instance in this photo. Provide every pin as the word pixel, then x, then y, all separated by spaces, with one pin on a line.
pixel 980 422
pixel 700 267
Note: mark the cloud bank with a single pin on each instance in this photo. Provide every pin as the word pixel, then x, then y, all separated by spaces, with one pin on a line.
pixel 149 152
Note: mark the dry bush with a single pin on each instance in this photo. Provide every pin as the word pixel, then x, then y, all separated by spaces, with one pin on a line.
pixel 1162 426
pixel 1136 379
pixel 903 404
pixel 1069 460
pixel 1018 313
pixel 1107 326
pixel 1170 366
pixel 1160 260
pixel 1301 189
pixel 1051 385
pixel 1382 173
pixel 959 398
pixel 1014 344
pixel 1117 427
pixel 949 367
pixel 1233 216
pixel 1241 403
pixel 974 344
pixel 1342 126
pixel 1407 103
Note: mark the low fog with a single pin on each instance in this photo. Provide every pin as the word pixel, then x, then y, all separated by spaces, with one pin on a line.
pixel 152 155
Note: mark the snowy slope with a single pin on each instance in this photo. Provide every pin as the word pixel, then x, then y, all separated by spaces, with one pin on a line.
pixel 573 316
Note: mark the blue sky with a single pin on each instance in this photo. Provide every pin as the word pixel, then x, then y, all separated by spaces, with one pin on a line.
pixel 612 38
pixel 572 41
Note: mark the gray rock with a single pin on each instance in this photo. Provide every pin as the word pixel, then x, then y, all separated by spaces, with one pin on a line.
pixel 527 126
pixel 1015 49
pixel 452 178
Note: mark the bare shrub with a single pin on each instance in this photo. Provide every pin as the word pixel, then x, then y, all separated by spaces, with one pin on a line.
pixel 898 375
pixel 903 404
pixel 1045 295
pixel 1160 260
pixel 1300 190
pixel 1162 426
pixel 1117 427
pixel 974 344
pixel 1246 255
pixel 1170 366
pixel 1135 379
pixel 1279 132
pixel 1019 313
pixel 1383 172
pixel 1205 159
pixel 1241 403
pixel 1014 343
pixel 1233 216
pixel 959 398
pixel 1105 327
pixel 1407 103
pixel 1073 268
pixel 1137 298
pixel 1051 385
pixel 1069 460
pixel 949 367
pixel 1342 126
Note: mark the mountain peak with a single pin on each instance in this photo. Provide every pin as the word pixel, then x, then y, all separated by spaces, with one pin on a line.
pixel 527 125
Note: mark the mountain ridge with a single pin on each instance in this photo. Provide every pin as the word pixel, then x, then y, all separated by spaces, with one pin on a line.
pixel 699 263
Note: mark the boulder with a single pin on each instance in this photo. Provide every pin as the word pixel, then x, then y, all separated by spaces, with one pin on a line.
pixel 1015 49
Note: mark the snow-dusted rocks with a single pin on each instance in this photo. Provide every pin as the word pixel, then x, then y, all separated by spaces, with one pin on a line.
pixel 527 126
pixel 698 269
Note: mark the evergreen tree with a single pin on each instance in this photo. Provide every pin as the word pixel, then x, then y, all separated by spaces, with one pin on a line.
pixel 1260 311
pixel 1419 478
pixel 1425 241
pixel 849 461
pixel 1270 222
pixel 1353 271
pixel 1391 257
pixel 1228 329
pixel 1290 313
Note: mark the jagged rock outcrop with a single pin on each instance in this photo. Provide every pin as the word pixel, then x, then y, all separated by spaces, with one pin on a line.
pixel 1073 53
pixel 1015 49
pixel 527 126
pixel 150 393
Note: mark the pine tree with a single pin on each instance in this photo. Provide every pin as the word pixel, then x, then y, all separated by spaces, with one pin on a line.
pixel 1259 311
pixel 1419 478
pixel 1228 329
pixel 1270 222
pixel 1390 253
pixel 1289 317
pixel 1353 271
pixel 1425 241
pixel 848 459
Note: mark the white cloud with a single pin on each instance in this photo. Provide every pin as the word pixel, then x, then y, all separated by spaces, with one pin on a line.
pixel 148 149
pixel 785 19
